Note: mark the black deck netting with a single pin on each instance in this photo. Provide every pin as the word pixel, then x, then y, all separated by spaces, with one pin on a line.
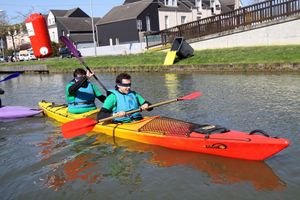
pixel 168 126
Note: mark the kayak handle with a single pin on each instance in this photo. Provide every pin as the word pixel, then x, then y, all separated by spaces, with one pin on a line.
pixel 259 131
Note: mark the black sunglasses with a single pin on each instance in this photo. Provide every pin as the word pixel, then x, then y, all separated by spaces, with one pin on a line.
pixel 124 85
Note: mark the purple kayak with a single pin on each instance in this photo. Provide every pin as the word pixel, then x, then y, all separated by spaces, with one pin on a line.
pixel 13 112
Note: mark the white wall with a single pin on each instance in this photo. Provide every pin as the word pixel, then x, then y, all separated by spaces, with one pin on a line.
pixel 284 33
pixel 53 34
pixel 174 18
pixel 123 49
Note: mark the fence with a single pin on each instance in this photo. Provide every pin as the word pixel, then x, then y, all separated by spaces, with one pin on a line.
pixel 246 16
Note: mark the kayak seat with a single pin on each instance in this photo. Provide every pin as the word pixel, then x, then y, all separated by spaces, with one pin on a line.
pixel 208 129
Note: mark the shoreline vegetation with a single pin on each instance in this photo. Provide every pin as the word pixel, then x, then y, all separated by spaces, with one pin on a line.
pixel 264 58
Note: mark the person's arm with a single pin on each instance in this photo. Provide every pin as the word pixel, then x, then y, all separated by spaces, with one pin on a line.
pixel 101 98
pixel 98 94
pixel 108 105
pixel 144 104
pixel 77 84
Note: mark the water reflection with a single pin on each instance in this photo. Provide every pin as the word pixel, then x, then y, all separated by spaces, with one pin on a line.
pixel 221 170
pixel 91 159
pixel 82 167
pixel 86 161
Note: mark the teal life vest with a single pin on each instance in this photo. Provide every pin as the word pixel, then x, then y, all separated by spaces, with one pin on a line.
pixel 126 102
pixel 83 101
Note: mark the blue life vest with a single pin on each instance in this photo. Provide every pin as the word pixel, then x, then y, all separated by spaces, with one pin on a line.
pixel 84 100
pixel 126 102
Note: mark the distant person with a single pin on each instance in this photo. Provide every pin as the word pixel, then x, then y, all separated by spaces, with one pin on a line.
pixel 1 92
pixel 122 100
pixel 81 93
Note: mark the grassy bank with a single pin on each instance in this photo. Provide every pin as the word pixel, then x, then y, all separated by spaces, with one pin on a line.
pixel 244 55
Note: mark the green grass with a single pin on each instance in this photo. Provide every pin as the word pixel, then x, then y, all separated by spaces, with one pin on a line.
pixel 242 55
pixel 246 55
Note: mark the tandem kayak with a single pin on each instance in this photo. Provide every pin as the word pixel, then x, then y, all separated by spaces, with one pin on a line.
pixel 14 112
pixel 181 135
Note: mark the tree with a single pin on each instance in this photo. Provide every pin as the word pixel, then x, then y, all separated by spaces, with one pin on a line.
pixel 13 31
pixel 3 25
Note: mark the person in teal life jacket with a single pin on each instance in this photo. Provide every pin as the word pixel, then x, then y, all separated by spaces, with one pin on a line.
pixel 81 93
pixel 122 100
pixel 1 92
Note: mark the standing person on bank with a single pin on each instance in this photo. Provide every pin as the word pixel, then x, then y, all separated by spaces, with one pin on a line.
pixel 81 93
pixel 1 92
pixel 122 100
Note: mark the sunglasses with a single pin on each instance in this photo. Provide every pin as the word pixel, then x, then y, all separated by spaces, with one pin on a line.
pixel 124 85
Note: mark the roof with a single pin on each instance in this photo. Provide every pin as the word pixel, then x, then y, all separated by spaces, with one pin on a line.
pixel 76 23
pixel 74 12
pixel 182 6
pixel 59 13
pixel 82 37
pixel 227 2
pixel 125 12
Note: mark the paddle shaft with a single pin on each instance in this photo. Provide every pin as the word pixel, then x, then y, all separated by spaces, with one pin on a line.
pixel 96 78
pixel 75 52
pixel 139 110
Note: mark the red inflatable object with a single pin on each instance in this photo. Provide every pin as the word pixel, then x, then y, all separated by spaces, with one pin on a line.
pixel 39 35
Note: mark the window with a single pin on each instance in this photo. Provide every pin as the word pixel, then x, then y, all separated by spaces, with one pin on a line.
pixel 53 35
pixel 139 24
pixel 166 21
pixel 148 23
pixel 174 2
pixel 183 19
pixel 170 2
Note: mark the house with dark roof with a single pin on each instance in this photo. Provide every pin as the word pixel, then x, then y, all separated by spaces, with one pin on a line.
pixel 73 23
pixel 126 23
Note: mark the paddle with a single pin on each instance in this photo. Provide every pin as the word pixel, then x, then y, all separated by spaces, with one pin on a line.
pixel 76 53
pixel 81 126
pixel 14 75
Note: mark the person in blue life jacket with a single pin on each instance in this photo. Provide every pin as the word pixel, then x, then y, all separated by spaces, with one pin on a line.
pixel 81 94
pixel 122 100
pixel 1 92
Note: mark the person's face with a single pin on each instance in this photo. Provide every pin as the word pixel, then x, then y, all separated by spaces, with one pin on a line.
pixel 78 77
pixel 125 86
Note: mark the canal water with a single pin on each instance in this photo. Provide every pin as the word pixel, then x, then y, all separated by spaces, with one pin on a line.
pixel 38 163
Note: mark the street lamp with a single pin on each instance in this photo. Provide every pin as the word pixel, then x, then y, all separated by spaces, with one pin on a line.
pixel 93 28
pixel 1 40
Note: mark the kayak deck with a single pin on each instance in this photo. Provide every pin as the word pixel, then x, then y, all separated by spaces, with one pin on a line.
pixel 181 135
pixel 14 112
